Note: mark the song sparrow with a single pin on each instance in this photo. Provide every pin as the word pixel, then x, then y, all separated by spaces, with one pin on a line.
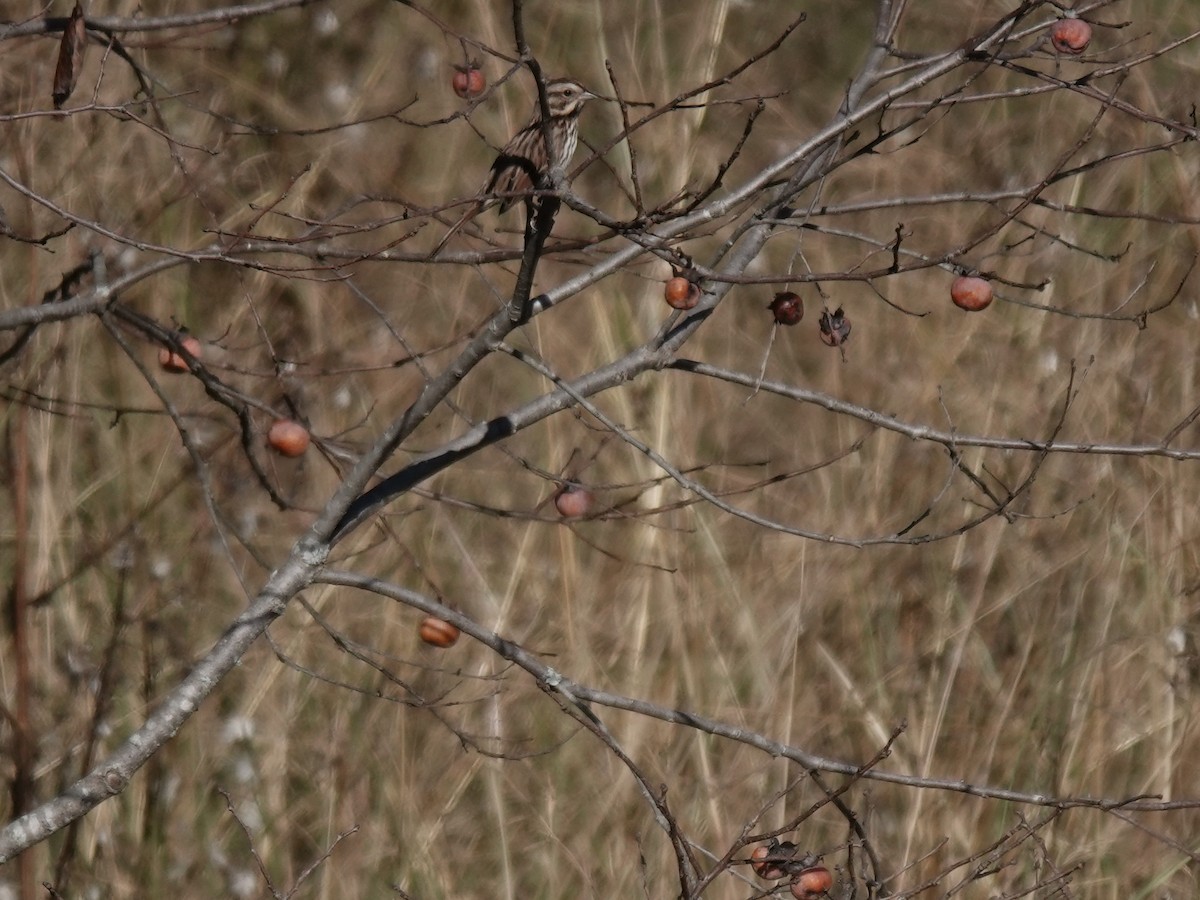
pixel 525 159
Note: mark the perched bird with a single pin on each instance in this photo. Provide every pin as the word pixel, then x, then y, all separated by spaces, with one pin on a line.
pixel 525 159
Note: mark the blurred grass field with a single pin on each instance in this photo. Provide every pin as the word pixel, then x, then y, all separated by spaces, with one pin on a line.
pixel 1054 653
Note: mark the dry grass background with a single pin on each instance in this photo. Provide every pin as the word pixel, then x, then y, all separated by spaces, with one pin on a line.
pixel 1040 654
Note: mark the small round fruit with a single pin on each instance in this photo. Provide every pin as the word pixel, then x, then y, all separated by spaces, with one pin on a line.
pixel 787 307
pixel 288 438
pixel 834 328
pixel 468 82
pixel 438 632
pixel 812 882
pixel 771 871
pixel 681 293
pixel 971 293
pixel 1070 36
pixel 170 361
pixel 573 501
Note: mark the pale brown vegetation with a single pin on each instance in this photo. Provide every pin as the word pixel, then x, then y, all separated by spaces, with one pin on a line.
pixel 1050 650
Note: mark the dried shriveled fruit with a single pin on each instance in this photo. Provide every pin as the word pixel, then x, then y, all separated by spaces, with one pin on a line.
pixel 769 861
pixel 787 308
pixel 834 327
pixel 70 57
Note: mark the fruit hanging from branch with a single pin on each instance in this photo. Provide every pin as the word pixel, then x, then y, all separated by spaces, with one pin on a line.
pixel 681 293
pixel 468 81
pixel 437 632
pixel 787 308
pixel 970 292
pixel 813 882
pixel 170 361
pixel 288 438
pixel 834 327
pixel 573 501
pixel 1070 36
